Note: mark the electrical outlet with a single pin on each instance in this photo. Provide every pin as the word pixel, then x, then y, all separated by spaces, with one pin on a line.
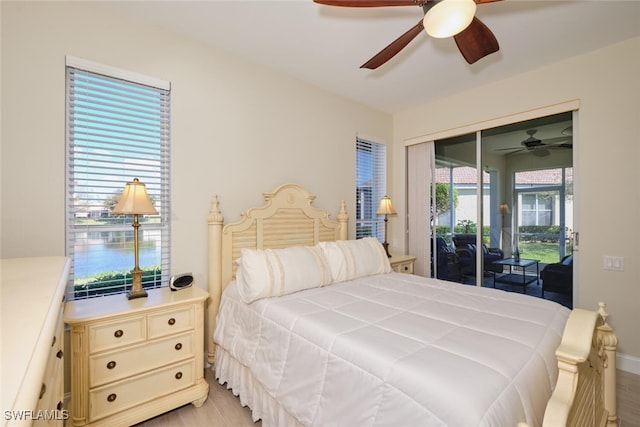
pixel 615 263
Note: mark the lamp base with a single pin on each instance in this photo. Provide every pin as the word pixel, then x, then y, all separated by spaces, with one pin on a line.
pixel 139 294
pixel 385 245
pixel 137 291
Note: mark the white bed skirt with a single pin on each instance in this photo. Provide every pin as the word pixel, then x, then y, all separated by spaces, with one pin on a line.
pixel 251 393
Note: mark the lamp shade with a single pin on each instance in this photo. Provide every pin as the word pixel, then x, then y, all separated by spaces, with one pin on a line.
pixel 448 17
pixel 386 207
pixel 135 200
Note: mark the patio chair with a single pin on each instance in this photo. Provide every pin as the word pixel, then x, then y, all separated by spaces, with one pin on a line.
pixel 558 277
pixel 449 265
pixel 466 249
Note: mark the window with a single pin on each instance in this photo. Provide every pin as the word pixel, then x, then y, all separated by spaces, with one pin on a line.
pixel 537 209
pixel 371 167
pixel 117 129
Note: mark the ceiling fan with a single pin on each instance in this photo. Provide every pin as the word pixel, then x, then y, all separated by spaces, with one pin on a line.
pixel 442 18
pixel 538 147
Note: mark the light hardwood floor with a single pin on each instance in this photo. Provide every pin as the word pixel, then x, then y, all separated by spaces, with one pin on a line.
pixel 223 409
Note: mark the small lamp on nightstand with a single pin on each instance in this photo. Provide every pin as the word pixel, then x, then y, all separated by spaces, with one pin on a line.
pixel 136 201
pixel 386 209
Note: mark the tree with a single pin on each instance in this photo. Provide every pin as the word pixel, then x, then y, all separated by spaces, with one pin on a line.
pixel 443 198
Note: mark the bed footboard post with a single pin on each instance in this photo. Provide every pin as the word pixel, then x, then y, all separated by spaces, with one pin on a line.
pixel 607 343
pixel 215 221
pixel 343 219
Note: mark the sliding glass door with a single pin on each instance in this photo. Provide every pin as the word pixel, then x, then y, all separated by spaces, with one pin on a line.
pixel 514 199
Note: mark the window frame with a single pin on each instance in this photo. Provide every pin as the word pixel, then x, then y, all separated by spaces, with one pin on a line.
pixel 371 165
pixel 130 116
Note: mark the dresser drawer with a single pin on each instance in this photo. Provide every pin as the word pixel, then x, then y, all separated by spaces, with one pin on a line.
pixel 52 388
pixel 114 398
pixel 113 334
pixel 113 366
pixel 52 395
pixel 171 322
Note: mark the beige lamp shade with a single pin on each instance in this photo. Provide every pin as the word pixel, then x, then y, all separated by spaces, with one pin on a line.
pixel 449 17
pixel 386 207
pixel 135 200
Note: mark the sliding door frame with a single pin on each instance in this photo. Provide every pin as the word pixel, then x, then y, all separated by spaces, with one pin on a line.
pixel 477 128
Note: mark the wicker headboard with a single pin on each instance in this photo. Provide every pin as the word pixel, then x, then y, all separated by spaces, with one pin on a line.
pixel 286 219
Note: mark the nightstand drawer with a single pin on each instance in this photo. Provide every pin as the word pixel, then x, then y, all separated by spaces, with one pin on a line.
pixel 402 263
pixel 114 398
pixel 108 335
pixel 405 267
pixel 113 366
pixel 171 322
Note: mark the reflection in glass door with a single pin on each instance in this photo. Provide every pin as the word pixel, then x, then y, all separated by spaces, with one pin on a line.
pixel 455 222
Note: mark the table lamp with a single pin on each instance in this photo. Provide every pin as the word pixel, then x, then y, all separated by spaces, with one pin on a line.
pixel 386 209
pixel 136 201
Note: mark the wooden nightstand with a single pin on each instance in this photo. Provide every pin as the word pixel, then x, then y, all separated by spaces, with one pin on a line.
pixel 135 359
pixel 402 263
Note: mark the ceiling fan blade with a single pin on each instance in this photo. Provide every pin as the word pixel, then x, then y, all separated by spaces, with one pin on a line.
pixel 476 41
pixel 556 141
pixel 392 49
pixel 370 3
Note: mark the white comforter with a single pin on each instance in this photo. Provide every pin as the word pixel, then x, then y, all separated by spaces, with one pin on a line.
pixel 398 350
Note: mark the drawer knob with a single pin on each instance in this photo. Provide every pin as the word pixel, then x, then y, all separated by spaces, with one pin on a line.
pixel 111 397
pixel 172 321
pixel 59 354
pixel 59 406
pixel 118 333
pixel 178 346
pixel 43 390
pixel 406 267
pixel 53 342
pixel 178 375
pixel 111 365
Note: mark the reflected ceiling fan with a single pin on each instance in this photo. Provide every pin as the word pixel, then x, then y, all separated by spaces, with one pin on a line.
pixel 442 18
pixel 538 147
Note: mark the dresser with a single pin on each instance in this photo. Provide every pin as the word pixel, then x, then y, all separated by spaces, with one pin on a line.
pixel 402 263
pixel 134 359
pixel 32 294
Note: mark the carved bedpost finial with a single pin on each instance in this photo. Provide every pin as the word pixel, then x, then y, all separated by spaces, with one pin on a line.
pixel 602 311
pixel 343 219
pixel 606 336
pixel 342 215
pixel 215 215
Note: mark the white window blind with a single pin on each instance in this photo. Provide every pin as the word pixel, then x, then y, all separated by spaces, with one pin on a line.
pixel 371 186
pixel 116 130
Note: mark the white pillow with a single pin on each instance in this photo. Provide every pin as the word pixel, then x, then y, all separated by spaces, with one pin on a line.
pixel 351 259
pixel 276 272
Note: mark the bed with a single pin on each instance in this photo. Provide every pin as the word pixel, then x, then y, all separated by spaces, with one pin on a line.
pixel 354 343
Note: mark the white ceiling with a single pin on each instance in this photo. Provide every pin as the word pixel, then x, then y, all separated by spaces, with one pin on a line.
pixel 325 45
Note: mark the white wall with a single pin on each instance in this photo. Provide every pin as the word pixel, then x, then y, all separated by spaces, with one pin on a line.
pixel 607 164
pixel 236 129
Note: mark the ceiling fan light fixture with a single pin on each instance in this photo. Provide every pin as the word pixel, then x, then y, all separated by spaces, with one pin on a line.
pixel 447 18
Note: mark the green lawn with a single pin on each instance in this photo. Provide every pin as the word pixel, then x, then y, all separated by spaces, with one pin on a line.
pixel 547 253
